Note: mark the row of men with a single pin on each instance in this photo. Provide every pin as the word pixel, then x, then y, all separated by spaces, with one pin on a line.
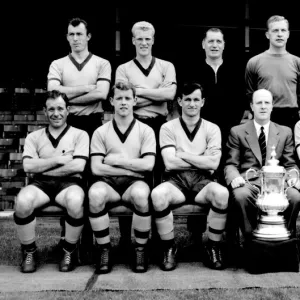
pixel 85 78
pixel 122 153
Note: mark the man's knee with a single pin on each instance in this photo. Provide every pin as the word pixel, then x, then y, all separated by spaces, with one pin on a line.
pixel 241 195
pixel 25 203
pixel 140 198
pixel 74 202
pixel 293 196
pixel 159 198
pixel 97 198
pixel 220 196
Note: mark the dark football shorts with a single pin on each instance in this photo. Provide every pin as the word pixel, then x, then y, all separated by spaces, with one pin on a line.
pixel 52 186
pixel 189 182
pixel 119 183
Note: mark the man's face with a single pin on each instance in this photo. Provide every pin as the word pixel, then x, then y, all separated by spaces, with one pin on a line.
pixel 191 104
pixel 78 38
pixel 213 45
pixel 56 112
pixel 262 106
pixel 123 102
pixel 143 41
pixel 278 34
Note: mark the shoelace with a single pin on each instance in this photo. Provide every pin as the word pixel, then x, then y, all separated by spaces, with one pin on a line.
pixel 168 255
pixel 104 257
pixel 214 253
pixel 67 258
pixel 29 258
pixel 139 256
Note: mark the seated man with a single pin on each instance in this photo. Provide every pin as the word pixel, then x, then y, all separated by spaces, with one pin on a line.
pixel 122 152
pixel 191 150
pixel 249 146
pixel 56 156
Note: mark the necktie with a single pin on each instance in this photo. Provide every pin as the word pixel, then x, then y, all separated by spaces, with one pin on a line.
pixel 262 145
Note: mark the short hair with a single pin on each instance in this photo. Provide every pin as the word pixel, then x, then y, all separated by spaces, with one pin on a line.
pixel 123 86
pixel 76 22
pixel 213 29
pixel 144 26
pixel 276 18
pixel 190 87
pixel 54 94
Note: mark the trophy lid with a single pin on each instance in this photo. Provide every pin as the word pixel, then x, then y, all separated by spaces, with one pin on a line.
pixel 272 164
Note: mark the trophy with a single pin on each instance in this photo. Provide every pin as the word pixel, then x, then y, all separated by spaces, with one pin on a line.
pixel 272 200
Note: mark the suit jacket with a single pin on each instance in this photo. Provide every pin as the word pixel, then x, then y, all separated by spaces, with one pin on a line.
pixel 244 151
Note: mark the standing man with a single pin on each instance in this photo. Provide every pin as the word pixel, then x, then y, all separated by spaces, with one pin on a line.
pixel 249 146
pixel 277 71
pixel 83 77
pixel 154 80
pixel 56 155
pixel 122 153
pixel 191 150
pixel 217 77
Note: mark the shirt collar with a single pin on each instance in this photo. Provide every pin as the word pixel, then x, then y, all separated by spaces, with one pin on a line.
pixel 258 126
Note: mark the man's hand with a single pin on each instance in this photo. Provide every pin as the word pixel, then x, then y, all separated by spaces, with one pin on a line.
pixel 293 182
pixel 237 182
pixel 135 174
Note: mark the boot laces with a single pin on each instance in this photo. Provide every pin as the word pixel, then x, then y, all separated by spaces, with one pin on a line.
pixel 29 258
pixel 139 256
pixel 104 256
pixel 67 257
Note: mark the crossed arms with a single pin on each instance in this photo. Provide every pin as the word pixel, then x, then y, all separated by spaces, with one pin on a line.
pixel 119 165
pixel 82 94
pixel 58 166
pixel 175 160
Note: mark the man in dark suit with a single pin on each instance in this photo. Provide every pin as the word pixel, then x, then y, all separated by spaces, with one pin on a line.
pixel 245 151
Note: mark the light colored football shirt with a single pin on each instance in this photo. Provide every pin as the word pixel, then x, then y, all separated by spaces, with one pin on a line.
pixel 70 73
pixel 160 73
pixel 41 144
pixel 138 140
pixel 204 140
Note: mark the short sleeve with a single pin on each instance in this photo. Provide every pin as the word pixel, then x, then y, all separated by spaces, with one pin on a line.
pixel 104 71
pixel 55 72
pixel 214 140
pixel 169 76
pixel 82 145
pixel 121 74
pixel 97 143
pixel 148 142
pixel 166 137
pixel 30 146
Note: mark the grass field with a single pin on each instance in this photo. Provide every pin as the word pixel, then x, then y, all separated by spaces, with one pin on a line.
pixel 48 236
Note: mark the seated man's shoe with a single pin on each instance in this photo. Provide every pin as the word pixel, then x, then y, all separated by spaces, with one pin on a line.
pixel 214 256
pixel 28 264
pixel 67 263
pixel 140 260
pixel 169 259
pixel 103 260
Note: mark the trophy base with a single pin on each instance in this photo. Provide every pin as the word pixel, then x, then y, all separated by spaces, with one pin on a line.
pixel 271 228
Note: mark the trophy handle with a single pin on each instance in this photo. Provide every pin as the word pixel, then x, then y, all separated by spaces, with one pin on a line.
pixel 295 181
pixel 255 172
